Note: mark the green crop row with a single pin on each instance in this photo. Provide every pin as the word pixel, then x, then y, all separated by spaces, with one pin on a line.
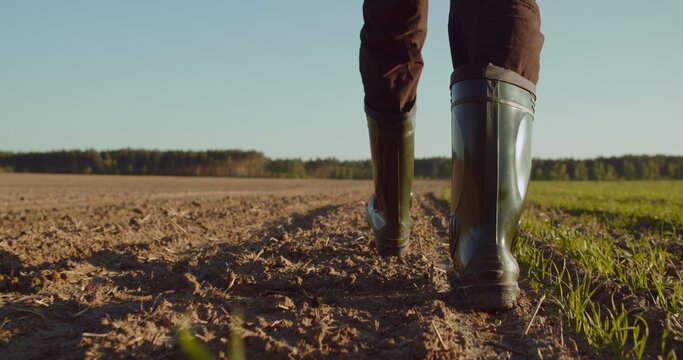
pixel 640 265
pixel 612 233
pixel 656 205
pixel 613 330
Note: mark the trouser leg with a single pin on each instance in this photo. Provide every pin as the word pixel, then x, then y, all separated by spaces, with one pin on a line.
pixel 489 36
pixel 390 54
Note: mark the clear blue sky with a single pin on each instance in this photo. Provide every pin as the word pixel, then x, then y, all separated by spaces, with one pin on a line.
pixel 281 77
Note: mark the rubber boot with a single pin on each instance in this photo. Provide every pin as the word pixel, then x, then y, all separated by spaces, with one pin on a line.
pixel 388 210
pixel 491 143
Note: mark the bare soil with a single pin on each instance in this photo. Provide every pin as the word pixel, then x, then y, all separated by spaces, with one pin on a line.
pixel 109 267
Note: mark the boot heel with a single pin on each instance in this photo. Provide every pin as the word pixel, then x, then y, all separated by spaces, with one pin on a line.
pixel 490 297
pixel 385 249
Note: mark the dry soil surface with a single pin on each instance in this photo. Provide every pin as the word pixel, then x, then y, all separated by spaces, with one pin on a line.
pixel 110 267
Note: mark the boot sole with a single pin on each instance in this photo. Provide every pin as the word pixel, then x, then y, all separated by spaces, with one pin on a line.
pixel 390 250
pixel 386 251
pixel 488 297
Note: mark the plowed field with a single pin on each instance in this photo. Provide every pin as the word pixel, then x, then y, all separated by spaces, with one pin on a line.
pixel 110 267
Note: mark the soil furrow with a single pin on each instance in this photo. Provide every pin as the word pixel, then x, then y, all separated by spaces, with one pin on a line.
pixel 117 278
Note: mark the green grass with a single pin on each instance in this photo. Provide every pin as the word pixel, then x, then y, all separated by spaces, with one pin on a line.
pixel 608 329
pixel 640 265
pixel 657 204
pixel 195 349
pixel 612 232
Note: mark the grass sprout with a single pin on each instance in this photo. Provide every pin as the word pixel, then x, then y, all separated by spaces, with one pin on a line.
pixel 195 349
pixel 608 329
pixel 190 345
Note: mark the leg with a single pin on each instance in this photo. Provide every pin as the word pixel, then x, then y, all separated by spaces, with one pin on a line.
pixel 495 47
pixel 390 66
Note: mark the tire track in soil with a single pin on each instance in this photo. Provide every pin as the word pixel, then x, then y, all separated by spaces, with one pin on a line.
pixel 115 281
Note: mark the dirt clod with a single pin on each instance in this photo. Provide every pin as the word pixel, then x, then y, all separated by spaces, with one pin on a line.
pixel 277 302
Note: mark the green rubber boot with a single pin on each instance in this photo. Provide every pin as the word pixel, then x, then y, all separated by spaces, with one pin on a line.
pixel 388 210
pixel 491 143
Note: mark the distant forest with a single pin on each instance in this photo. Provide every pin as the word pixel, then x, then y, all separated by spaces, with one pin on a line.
pixel 237 163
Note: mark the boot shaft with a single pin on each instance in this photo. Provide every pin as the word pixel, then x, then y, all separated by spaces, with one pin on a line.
pixel 491 136
pixel 392 149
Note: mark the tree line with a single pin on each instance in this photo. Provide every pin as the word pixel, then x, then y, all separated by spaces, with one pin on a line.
pixel 238 163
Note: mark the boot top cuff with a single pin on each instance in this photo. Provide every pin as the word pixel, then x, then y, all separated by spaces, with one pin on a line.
pixel 491 72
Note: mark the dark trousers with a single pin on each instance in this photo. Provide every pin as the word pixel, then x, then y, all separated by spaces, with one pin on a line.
pixel 498 39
